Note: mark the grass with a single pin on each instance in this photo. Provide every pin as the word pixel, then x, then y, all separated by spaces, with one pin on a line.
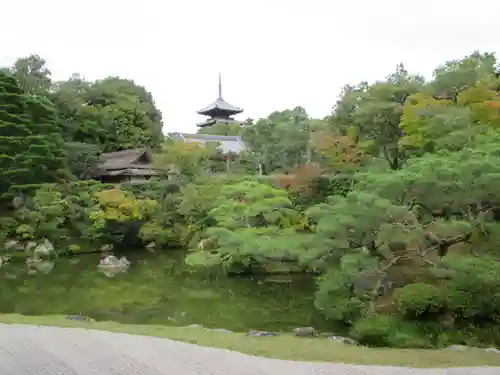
pixel 282 347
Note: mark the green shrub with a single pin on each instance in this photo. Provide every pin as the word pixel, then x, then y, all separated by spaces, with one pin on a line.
pixel 375 330
pixel 8 226
pixel 481 337
pixel 153 189
pixel 335 297
pixel 419 299
pixel 388 331
pixel 74 248
pixel 473 293
pixel 409 337
pixel 341 184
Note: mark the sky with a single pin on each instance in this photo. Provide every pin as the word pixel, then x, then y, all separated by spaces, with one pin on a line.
pixel 272 54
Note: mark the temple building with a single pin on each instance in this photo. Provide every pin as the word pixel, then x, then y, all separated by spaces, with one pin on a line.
pixel 132 166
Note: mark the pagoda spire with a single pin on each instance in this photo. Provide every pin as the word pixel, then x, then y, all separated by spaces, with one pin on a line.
pixel 220 86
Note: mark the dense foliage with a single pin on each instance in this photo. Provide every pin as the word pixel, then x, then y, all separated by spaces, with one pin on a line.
pixel 390 200
pixel 31 143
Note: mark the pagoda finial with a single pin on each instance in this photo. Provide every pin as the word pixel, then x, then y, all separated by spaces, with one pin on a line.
pixel 220 86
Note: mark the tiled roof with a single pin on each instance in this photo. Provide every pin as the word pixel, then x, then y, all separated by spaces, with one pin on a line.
pixel 227 143
pixel 222 105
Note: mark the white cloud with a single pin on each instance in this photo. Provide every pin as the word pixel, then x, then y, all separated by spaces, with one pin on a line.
pixel 273 54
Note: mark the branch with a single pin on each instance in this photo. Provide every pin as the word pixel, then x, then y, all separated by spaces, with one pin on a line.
pixel 442 245
pixel 403 99
pixel 392 262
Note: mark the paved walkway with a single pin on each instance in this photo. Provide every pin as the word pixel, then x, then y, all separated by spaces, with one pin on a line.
pixel 27 350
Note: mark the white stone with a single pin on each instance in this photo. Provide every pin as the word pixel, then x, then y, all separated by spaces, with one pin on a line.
pixel 106 248
pixel 45 248
pixel 11 244
pixel 44 266
pixel 30 245
pixel 493 350
pixel 111 265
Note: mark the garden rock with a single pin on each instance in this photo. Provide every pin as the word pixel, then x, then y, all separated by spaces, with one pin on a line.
pixel 343 340
pixel 18 202
pixel 304 331
pixel 30 245
pixel 111 265
pixel 44 249
pixel 106 248
pixel 493 350
pixel 10 244
pixel 80 317
pixel 457 347
pixel 44 266
pixel 254 333
pixel 221 330
pixel 13 245
pixel 112 261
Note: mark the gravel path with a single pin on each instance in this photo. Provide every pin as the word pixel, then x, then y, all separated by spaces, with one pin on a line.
pixel 26 350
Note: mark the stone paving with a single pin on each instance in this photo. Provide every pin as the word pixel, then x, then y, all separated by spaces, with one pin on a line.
pixel 29 350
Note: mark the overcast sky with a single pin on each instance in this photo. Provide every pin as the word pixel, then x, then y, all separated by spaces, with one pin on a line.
pixel 273 54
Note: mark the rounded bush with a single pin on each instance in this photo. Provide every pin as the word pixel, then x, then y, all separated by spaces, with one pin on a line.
pixel 388 331
pixel 473 294
pixel 375 330
pixel 409 339
pixel 419 299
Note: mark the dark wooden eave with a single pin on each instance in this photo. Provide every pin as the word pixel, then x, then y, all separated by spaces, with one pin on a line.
pixel 215 120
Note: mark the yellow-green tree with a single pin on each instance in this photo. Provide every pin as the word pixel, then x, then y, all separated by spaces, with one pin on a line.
pixel 189 159
pixel 430 123
pixel 422 120
pixel 483 103
pixel 115 207
pixel 337 151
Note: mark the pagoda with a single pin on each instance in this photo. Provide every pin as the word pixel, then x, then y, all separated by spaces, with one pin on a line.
pixel 219 111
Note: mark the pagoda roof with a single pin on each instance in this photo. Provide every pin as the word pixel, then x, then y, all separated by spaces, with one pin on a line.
pixel 220 105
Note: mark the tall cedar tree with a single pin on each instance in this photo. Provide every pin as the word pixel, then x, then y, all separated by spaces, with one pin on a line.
pixel 46 144
pixel 31 145
pixel 14 133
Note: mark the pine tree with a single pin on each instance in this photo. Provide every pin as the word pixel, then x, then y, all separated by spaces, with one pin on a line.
pixel 31 144
pixel 46 154
pixel 14 133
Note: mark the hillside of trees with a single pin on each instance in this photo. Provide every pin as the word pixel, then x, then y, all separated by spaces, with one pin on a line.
pixel 389 200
